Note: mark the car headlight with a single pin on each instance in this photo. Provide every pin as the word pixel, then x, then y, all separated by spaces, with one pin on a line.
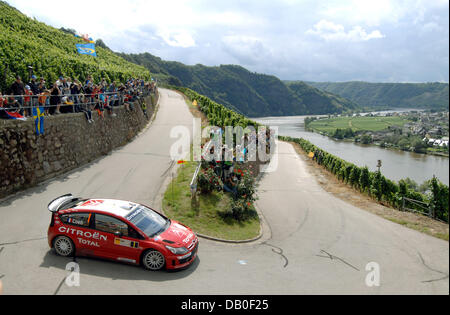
pixel 178 251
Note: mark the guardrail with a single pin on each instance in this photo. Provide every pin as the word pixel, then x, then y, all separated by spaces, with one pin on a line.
pixel 194 185
pixel 428 209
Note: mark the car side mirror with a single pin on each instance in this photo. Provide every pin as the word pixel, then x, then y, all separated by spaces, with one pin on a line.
pixel 118 234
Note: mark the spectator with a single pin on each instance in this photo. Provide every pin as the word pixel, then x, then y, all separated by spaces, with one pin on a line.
pixel 104 103
pixel 63 86
pixel 34 85
pixel 55 100
pixel 12 105
pixel 113 101
pixel 42 85
pixel 231 185
pixel 75 90
pixel 18 89
pixel 89 90
pixel 27 101
pixel 42 100
pixel 85 108
pixel 66 105
pixel 103 84
pixel 3 100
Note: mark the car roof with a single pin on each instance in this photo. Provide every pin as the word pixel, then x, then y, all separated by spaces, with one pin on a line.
pixel 115 207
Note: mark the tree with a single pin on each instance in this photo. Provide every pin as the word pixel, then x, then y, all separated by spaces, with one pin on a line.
pixel 366 139
pixel 349 133
pixel 440 194
pixel 339 134
pixel 419 146
pixel 364 181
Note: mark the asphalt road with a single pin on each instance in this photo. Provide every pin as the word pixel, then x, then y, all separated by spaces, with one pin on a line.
pixel 313 243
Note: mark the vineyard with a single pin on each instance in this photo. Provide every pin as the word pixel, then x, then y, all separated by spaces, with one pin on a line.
pixel 217 114
pixel 26 42
pixel 376 185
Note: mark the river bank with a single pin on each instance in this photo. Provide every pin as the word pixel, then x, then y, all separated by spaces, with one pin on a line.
pixel 418 132
pixel 430 151
pixel 397 165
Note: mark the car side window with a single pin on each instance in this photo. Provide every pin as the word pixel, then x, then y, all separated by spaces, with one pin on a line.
pixel 111 225
pixel 133 234
pixel 77 219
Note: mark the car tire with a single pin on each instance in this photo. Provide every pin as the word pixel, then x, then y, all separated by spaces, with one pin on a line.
pixel 153 260
pixel 64 246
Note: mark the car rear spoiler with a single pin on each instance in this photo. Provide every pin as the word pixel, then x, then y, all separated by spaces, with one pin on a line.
pixel 60 202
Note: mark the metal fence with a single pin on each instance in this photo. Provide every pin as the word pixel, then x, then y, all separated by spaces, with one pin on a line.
pixel 28 102
pixel 426 209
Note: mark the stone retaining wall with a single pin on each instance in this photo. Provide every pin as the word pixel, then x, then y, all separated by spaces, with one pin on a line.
pixel 69 142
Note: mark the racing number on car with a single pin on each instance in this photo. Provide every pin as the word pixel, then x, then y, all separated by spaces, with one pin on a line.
pixel 126 243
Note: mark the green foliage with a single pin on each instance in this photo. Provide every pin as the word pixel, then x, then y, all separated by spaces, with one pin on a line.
pixel 208 181
pixel 391 95
pixel 366 139
pixel 241 211
pixel 320 102
pixel 51 52
pixel 378 186
pixel 217 114
pixel 440 194
pixel 341 134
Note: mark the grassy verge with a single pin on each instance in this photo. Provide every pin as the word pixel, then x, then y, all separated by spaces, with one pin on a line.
pixel 203 213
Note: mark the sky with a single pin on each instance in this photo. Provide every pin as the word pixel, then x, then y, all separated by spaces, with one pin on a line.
pixel 310 40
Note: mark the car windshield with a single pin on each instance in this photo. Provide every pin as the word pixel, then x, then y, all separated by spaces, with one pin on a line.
pixel 148 221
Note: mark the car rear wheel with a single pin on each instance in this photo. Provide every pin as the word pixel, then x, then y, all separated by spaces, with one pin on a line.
pixel 64 246
pixel 153 260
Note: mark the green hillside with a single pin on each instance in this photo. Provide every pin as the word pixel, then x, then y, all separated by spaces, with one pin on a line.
pixel 391 95
pixel 26 42
pixel 323 102
pixel 253 94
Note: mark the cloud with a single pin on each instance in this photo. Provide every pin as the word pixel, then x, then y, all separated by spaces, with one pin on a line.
pixel 246 49
pixel 177 38
pixel 333 40
pixel 336 32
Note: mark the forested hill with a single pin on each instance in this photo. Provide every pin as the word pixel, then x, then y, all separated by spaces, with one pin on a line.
pixel 51 52
pixel 254 95
pixel 391 95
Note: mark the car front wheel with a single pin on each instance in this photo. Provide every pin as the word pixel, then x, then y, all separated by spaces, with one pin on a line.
pixel 64 246
pixel 153 260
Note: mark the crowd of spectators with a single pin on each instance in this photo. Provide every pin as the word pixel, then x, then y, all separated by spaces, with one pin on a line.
pixel 227 163
pixel 72 96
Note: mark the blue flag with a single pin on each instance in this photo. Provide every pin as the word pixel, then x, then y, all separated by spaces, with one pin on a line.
pixel 38 115
pixel 87 49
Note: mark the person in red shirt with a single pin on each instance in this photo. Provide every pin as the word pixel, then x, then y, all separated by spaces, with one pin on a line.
pixel 27 100
pixel 2 100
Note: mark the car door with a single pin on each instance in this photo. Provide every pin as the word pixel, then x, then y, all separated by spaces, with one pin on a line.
pixel 79 227
pixel 123 243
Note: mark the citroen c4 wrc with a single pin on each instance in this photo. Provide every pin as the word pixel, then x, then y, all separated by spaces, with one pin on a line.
pixel 121 231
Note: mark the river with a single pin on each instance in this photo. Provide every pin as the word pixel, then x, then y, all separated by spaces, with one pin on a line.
pixel 397 164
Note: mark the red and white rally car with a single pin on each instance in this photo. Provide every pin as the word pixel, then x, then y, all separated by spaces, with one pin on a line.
pixel 121 231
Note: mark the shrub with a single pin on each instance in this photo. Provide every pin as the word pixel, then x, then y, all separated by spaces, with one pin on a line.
pixel 208 181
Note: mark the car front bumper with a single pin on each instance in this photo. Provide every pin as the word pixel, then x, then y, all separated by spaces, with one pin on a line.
pixel 180 262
